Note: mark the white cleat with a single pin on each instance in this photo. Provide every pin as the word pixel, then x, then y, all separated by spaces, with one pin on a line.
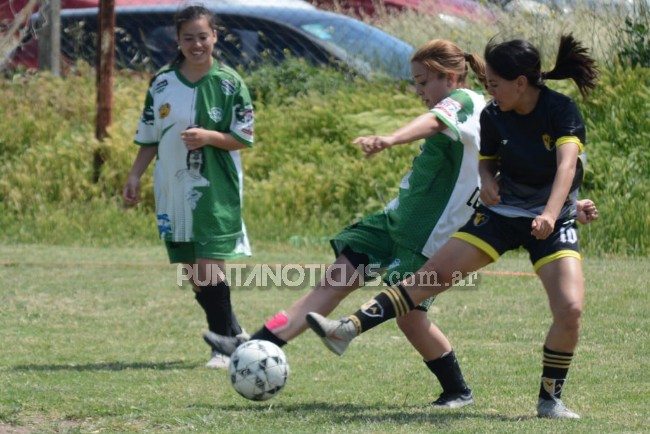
pixel 336 335
pixel 218 361
pixel 555 409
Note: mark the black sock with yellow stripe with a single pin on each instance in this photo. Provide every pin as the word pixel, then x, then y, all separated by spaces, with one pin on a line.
pixel 554 372
pixel 390 303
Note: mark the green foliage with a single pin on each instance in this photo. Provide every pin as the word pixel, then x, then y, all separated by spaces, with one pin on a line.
pixel 304 179
pixel 636 48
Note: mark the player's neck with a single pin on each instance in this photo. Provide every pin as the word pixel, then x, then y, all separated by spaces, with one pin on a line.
pixel 193 72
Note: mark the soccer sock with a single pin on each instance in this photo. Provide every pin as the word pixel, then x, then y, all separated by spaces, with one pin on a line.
pixel 447 370
pixel 267 335
pixel 215 300
pixel 389 303
pixel 554 372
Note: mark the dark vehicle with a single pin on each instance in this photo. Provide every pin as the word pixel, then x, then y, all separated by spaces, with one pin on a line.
pixel 248 36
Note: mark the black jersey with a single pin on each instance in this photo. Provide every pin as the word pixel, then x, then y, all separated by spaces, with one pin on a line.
pixel 525 149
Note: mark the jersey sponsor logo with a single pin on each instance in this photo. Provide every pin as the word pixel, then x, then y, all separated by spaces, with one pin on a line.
pixel 547 142
pixel 216 114
pixel 164 224
pixel 449 107
pixel 372 309
pixel 160 86
pixel 164 110
pixel 148 116
pixel 504 142
pixel 228 87
pixel 480 219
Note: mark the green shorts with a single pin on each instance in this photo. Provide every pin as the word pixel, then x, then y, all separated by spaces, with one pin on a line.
pixel 189 252
pixel 372 237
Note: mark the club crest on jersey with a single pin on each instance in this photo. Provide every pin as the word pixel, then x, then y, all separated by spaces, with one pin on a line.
pixel 164 110
pixel 372 309
pixel 480 219
pixel 228 87
pixel 216 114
pixel 547 142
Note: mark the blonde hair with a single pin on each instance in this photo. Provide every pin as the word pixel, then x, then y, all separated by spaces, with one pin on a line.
pixel 444 57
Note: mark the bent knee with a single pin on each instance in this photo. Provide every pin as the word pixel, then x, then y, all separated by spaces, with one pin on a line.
pixel 413 322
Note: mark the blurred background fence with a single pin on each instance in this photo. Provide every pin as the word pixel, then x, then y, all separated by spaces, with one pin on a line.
pixel 255 31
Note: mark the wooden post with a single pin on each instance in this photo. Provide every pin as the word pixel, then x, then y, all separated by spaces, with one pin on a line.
pixel 49 42
pixel 105 68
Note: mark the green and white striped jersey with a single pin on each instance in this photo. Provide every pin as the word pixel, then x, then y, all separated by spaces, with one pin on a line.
pixel 438 195
pixel 198 193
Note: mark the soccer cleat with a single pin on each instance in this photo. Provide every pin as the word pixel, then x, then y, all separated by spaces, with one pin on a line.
pixel 336 335
pixel 225 344
pixel 218 361
pixel 555 409
pixel 454 400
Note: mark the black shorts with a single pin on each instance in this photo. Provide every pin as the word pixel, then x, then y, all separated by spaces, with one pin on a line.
pixel 495 234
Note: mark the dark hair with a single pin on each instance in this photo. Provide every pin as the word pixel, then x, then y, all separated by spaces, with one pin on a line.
pixel 519 57
pixel 443 57
pixel 191 13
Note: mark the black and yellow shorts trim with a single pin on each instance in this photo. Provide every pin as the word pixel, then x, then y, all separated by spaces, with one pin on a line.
pixel 372 237
pixel 495 234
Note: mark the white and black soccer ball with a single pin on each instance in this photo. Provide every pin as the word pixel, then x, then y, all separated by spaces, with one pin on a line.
pixel 258 370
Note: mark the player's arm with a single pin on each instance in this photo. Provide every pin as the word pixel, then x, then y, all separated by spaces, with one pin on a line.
pixel 567 155
pixel 487 169
pixel 425 125
pixel 586 211
pixel 195 138
pixel 131 191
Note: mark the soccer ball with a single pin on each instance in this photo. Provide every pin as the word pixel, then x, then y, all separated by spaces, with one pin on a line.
pixel 258 370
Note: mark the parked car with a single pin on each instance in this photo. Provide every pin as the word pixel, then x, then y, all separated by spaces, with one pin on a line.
pixel 249 35
pixel 449 10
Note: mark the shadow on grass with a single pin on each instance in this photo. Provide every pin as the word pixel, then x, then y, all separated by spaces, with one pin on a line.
pixel 341 413
pixel 110 366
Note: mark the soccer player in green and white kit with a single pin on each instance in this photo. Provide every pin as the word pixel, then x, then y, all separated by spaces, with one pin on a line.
pixel 197 115
pixel 435 198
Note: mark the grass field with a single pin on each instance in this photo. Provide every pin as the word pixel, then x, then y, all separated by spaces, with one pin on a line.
pixel 101 340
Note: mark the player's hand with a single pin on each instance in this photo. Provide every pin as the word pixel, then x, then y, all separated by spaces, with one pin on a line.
pixel 372 145
pixel 542 226
pixel 131 191
pixel 194 138
pixel 490 192
pixel 586 211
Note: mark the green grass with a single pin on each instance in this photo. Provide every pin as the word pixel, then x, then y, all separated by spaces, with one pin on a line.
pixel 102 340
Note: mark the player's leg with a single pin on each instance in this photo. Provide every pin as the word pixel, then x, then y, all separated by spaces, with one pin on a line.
pixel 563 281
pixel 455 259
pixel 438 356
pixel 558 263
pixel 340 279
pixel 205 280
pixel 358 248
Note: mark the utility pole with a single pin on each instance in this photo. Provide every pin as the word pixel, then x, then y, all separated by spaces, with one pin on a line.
pixel 105 69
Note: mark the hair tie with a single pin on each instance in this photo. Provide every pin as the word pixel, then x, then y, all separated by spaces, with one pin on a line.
pixel 466 55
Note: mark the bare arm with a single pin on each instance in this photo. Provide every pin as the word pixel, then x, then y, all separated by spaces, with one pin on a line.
pixel 487 169
pixel 131 191
pixel 543 224
pixel 423 126
pixel 195 138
